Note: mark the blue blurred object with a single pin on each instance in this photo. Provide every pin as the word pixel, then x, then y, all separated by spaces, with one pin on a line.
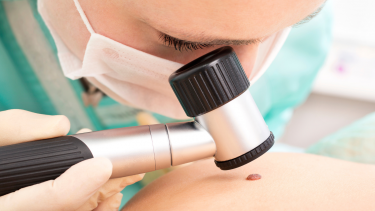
pixel 353 143
pixel 287 82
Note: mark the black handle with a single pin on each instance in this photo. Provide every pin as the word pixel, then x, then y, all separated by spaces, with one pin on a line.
pixel 30 163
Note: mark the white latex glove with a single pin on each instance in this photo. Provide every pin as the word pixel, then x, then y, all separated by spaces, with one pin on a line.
pixel 83 187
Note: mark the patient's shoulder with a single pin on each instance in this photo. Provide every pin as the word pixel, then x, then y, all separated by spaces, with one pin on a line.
pixel 289 181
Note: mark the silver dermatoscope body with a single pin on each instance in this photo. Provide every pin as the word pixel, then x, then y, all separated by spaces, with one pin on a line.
pixel 212 88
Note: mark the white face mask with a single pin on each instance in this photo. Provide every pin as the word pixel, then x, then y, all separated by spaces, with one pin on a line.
pixel 136 78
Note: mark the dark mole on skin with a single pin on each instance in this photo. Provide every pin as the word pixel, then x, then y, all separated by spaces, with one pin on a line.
pixel 254 177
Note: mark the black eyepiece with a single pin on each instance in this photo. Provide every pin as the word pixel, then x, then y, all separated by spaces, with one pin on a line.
pixel 209 82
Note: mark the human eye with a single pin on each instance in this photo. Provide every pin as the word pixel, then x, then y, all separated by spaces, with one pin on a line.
pixel 182 45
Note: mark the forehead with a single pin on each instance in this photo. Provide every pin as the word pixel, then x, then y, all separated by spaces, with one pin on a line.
pixel 221 19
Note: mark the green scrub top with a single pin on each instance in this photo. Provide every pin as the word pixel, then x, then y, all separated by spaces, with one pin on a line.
pixel 31 78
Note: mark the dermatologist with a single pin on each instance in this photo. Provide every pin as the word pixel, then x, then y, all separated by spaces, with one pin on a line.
pixel 128 49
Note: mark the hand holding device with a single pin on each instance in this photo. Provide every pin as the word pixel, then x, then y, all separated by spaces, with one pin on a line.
pixel 84 186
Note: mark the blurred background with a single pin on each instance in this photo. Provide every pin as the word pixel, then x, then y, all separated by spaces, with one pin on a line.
pixel 344 90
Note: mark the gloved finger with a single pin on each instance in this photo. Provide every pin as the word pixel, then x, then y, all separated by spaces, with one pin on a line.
pixel 84 130
pixel 18 126
pixel 110 188
pixel 68 192
pixel 111 204
pixel 145 118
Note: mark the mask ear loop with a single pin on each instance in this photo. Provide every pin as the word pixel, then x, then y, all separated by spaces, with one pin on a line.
pixel 84 17
pixel 268 50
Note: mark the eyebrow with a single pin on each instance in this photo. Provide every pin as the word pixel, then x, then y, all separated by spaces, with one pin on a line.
pixel 311 16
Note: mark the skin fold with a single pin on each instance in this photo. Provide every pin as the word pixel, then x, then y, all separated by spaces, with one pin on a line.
pixel 289 181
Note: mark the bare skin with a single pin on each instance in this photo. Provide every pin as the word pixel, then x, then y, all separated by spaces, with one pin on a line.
pixel 138 24
pixel 289 182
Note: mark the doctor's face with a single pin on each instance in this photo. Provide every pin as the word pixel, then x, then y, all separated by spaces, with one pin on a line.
pixel 179 30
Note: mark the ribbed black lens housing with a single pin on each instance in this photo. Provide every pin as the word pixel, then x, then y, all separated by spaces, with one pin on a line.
pixel 209 81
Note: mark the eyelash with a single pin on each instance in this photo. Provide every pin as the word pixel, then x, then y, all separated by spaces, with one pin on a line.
pixel 181 45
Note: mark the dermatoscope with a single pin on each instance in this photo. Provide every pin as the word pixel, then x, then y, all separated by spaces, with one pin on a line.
pixel 213 89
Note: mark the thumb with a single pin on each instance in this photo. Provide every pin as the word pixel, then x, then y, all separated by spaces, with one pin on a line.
pixel 68 192
pixel 17 126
